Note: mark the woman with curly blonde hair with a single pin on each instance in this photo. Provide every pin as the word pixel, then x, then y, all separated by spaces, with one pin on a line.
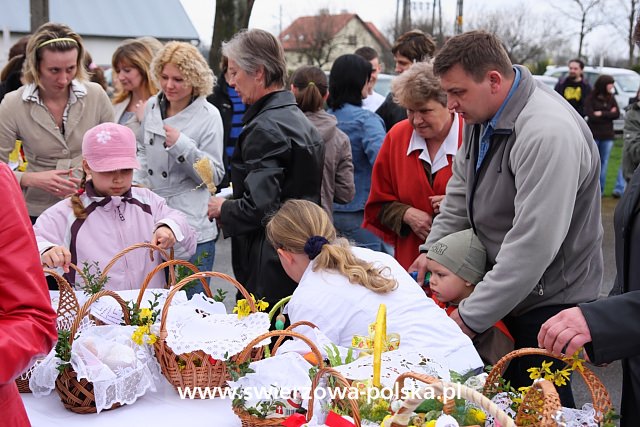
pixel 179 128
pixel 340 288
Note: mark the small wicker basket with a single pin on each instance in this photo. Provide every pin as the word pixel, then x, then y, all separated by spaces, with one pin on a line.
pixel 343 382
pixel 77 395
pixel 599 394
pixel 198 369
pixel 67 309
pixel 247 419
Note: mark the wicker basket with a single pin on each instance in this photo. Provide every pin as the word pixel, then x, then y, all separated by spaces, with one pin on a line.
pixel 77 395
pixel 599 394
pixel 143 245
pixel 541 398
pixel 247 419
pixel 353 405
pixel 171 264
pixel 67 308
pixel 198 369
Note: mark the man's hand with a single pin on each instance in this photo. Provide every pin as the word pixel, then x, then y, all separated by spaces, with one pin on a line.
pixel 419 265
pixel 419 221
pixel 215 206
pixel 163 237
pixel 56 256
pixel 436 201
pixel 456 318
pixel 566 329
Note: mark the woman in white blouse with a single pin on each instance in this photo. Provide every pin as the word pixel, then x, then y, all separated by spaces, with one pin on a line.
pixel 340 288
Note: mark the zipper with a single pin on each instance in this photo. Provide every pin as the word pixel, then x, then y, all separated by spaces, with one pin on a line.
pixel 120 214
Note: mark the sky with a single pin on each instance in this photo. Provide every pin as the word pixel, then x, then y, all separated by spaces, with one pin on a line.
pixel 276 15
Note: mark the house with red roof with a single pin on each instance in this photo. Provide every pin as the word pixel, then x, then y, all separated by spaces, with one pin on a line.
pixel 320 39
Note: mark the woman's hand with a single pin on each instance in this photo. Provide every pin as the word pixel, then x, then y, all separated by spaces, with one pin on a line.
pixel 163 237
pixel 56 256
pixel 172 135
pixel 436 201
pixel 139 110
pixel 419 221
pixel 60 183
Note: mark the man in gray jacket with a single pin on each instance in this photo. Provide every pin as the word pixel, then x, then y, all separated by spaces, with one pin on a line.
pixel 526 181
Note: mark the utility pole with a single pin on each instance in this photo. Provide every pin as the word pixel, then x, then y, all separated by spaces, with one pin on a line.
pixel 39 13
pixel 458 27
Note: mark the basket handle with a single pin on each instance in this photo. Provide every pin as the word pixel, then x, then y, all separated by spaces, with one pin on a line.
pixel 244 355
pixel 599 394
pixel 355 411
pixel 68 302
pixel 277 305
pixel 188 279
pixel 401 417
pixel 87 305
pixel 291 327
pixel 152 247
pixel 160 267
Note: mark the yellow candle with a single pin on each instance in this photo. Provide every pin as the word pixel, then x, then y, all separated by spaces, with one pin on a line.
pixel 379 340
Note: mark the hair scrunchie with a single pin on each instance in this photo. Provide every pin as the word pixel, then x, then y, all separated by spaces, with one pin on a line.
pixel 311 84
pixel 314 245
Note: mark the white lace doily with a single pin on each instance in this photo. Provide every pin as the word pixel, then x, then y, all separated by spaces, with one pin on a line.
pixel 191 329
pixel 120 370
pixel 395 363
pixel 109 311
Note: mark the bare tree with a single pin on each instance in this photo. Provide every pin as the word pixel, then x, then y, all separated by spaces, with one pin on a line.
pixel 627 12
pixel 526 36
pixel 584 12
pixel 231 17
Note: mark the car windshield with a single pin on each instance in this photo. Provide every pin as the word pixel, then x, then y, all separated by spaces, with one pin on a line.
pixel 628 82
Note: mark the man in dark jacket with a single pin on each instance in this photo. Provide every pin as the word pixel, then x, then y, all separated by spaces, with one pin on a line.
pixel 279 155
pixel 574 88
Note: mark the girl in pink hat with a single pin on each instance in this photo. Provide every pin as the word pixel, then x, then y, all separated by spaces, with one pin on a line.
pixel 107 215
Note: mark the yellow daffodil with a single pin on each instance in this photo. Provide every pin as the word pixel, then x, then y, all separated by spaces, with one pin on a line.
pixel 477 416
pixel 243 309
pixel 145 314
pixel 560 377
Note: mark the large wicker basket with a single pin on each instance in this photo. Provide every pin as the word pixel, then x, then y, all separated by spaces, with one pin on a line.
pixel 77 395
pixel 67 310
pixel 195 369
pixel 247 419
pixel 143 245
pixel 599 394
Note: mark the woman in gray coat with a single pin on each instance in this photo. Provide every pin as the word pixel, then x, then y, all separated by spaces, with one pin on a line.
pixel 179 128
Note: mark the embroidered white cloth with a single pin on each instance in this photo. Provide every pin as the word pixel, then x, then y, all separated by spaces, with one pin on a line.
pixel 120 370
pixel 191 328
pixel 395 363
pixel 108 311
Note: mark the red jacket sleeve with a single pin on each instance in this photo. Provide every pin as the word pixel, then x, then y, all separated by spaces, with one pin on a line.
pixel 27 320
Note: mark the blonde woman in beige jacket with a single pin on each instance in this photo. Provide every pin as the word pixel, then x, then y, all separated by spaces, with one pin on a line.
pixel 50 114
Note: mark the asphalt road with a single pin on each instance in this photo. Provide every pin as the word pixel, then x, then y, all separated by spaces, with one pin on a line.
pixel 610 375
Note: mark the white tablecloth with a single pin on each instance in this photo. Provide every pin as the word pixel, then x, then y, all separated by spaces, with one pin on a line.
pixel 162 408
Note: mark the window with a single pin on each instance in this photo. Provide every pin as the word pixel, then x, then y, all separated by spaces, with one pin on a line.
pixel 353 40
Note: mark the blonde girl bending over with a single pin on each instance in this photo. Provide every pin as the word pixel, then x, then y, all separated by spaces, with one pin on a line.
pixel 340 288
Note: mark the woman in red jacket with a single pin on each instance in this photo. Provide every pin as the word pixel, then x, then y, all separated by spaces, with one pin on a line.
pixel 413 166
pixel 27 321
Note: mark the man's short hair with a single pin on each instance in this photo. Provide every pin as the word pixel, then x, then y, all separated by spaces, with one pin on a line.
pixel 579 61
pixel 367 53
pixel 415 45
pixel 477 52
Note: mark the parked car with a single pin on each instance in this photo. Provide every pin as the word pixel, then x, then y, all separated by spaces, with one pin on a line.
pixel 548 80
pixel 626 83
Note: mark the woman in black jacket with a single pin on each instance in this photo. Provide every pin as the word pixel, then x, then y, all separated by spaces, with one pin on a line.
pixel 279 155
pixel 602 109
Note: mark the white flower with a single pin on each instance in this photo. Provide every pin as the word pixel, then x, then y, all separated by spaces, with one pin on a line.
pixel 103 136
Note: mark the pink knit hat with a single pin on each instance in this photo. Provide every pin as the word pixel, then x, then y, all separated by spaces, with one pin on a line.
pixel 109 147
